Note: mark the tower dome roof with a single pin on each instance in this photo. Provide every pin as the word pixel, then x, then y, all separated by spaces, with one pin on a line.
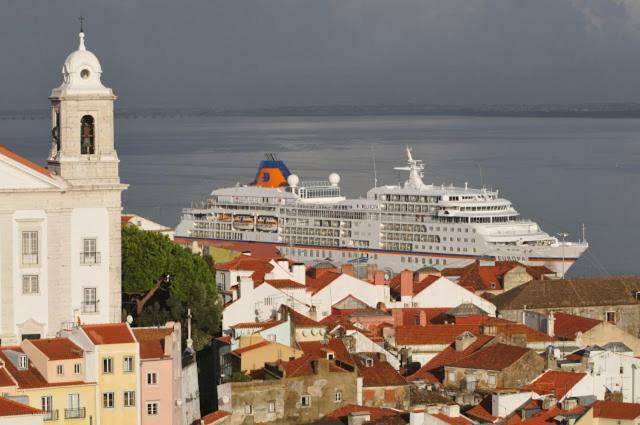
pixel 81 73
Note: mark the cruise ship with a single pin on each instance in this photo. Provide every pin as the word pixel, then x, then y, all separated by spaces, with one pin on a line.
pixel 397 227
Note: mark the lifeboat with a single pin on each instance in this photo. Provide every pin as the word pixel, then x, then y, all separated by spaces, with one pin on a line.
pixel 267 223
pixel 224 217
pixel 243 222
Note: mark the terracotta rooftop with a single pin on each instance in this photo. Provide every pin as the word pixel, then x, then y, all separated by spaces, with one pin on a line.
pixel 303 366
pixel 259 266
pixel 319 349
pixel 13 408
pixel 23 161
pixel 459 420
pixel 257 325
pixel 58 348
pixel 583 292
pixel 285 284
pixel 30 377
pixel 477 277
pixel 394 283
pixel 548 417
pixel 300 320
pixel 239 351
pixel 567 325
pixel 482 410
pixel 316 284
pixel 5 378
pixel 109 333
pixel 555 382
pixel 431 334
pixel 152 341
pixel 434 316
pixel 434 367
pixel 495 357
pixel 379 374
pixel 374 412
pixel 215 416
pixel 616 410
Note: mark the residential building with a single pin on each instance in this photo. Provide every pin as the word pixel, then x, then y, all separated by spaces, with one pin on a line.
pixel 14 413
pixel 254 352
pixel 50 375
pixel 147 225
pixel 112 359
pixel 161 373
pixel 611 413
pixel 382 385
pixel 60 247
pixel 496 366
pixel 611 299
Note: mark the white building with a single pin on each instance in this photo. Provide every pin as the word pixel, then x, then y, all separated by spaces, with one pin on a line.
pixel 60 226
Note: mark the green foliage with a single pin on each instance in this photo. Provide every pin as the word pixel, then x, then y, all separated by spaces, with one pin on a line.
pixel 146 256
pixel 239 377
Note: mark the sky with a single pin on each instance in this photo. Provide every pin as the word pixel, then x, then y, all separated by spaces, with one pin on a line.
pixel 237 54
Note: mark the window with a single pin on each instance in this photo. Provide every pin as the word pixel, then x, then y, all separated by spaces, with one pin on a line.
pixel 611 316
pixel 108 400
pixel 338 397
pixel 492 380
pixel 60 369
pixel 76 368
pixel 107 365
pixel 89 254
pixel 30 284
pixel 24 363
pixel 87 136
pixel 129 398
pixel 621 370
pixel 305 401
pixel 30 248
pixel 89 300
pixel 128 364
pixel 152 378
pixel 46 402
pixel 451 375
pixel 272 406
pixel 152 408
pixel 248 409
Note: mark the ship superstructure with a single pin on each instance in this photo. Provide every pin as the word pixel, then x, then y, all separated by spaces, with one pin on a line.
pixel 398 227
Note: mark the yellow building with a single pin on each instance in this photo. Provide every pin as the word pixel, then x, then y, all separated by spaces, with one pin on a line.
pixel 254 352
pixel 49 374
pixel 113 361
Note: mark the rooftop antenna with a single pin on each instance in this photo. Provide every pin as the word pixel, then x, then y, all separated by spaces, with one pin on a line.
pixel 81 23
pixel 481 178
pixel 375 172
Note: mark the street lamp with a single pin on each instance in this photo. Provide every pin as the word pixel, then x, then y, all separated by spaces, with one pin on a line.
pixel 563 236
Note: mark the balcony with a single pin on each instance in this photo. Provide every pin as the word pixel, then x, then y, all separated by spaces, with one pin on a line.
pixel 77 413
pixel 89 258
pixel 51 415
pixel 90 307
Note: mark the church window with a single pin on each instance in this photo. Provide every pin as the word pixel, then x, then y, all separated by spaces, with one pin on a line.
pixel 30 284
pixel 30 248
pixel 87 135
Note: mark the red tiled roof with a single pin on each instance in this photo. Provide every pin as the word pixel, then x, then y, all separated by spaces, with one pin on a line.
pixel 319 349
pixel 58 348
pixel 430 334
pixel 152 341
pixel 547 417
pixel 109 333
pixel 433 368
pixel 316 284
pixel 24 161
pixel 616 410
pixel 567 325
pixel 13 408
pixel 460 420
pixel 5 378
pixel 284 283
pixel 239 351
pixel 394 283
pixel 433 315
pixel 555 382
pixel 124 219
pixel 303 366
pixel 482 410
pixel 259 266
pixel 257 325
pixel 215 416
pixel 482 278
pixel 379 374
pixel 375 413
pixel 224 339
pixel 495 357
pixel 30 377
pixel 302 321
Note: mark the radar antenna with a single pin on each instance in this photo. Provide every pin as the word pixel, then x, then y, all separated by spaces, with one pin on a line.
pixel 415 168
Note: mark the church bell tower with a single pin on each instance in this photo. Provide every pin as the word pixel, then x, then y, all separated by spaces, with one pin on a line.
pixel 82 145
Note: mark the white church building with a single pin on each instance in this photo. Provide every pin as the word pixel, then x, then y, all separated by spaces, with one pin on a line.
pixel 60 225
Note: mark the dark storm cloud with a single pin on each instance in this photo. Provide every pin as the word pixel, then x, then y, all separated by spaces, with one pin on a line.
pixel 242 53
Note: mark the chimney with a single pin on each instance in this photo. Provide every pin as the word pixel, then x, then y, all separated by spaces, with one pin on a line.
pixel 406 284
pixel 569 403
pixel 398 317
pixel 371 271
pixel 298 271
pixel 549 402
pixel 451 410
pixel 284 264
pixel 378 278
pixel 551 324
pixel 347 269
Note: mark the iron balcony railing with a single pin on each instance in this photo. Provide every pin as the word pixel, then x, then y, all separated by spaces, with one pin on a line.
pixel 51 415
pixel 89 258
pixel 76 413
pixel 89 307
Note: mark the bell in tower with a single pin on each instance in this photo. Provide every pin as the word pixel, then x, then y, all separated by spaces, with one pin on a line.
pixel 82 137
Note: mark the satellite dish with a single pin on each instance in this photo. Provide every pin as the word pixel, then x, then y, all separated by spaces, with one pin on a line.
pixel 129 319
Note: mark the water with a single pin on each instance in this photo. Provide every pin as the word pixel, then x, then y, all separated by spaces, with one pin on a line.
pixel 560 172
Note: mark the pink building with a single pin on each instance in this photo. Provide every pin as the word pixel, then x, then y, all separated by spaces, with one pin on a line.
pixel 161 374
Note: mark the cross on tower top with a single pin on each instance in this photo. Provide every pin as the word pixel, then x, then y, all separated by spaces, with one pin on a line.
pixel 81 23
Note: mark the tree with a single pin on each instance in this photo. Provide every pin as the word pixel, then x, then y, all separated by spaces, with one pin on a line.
pixel 161 280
